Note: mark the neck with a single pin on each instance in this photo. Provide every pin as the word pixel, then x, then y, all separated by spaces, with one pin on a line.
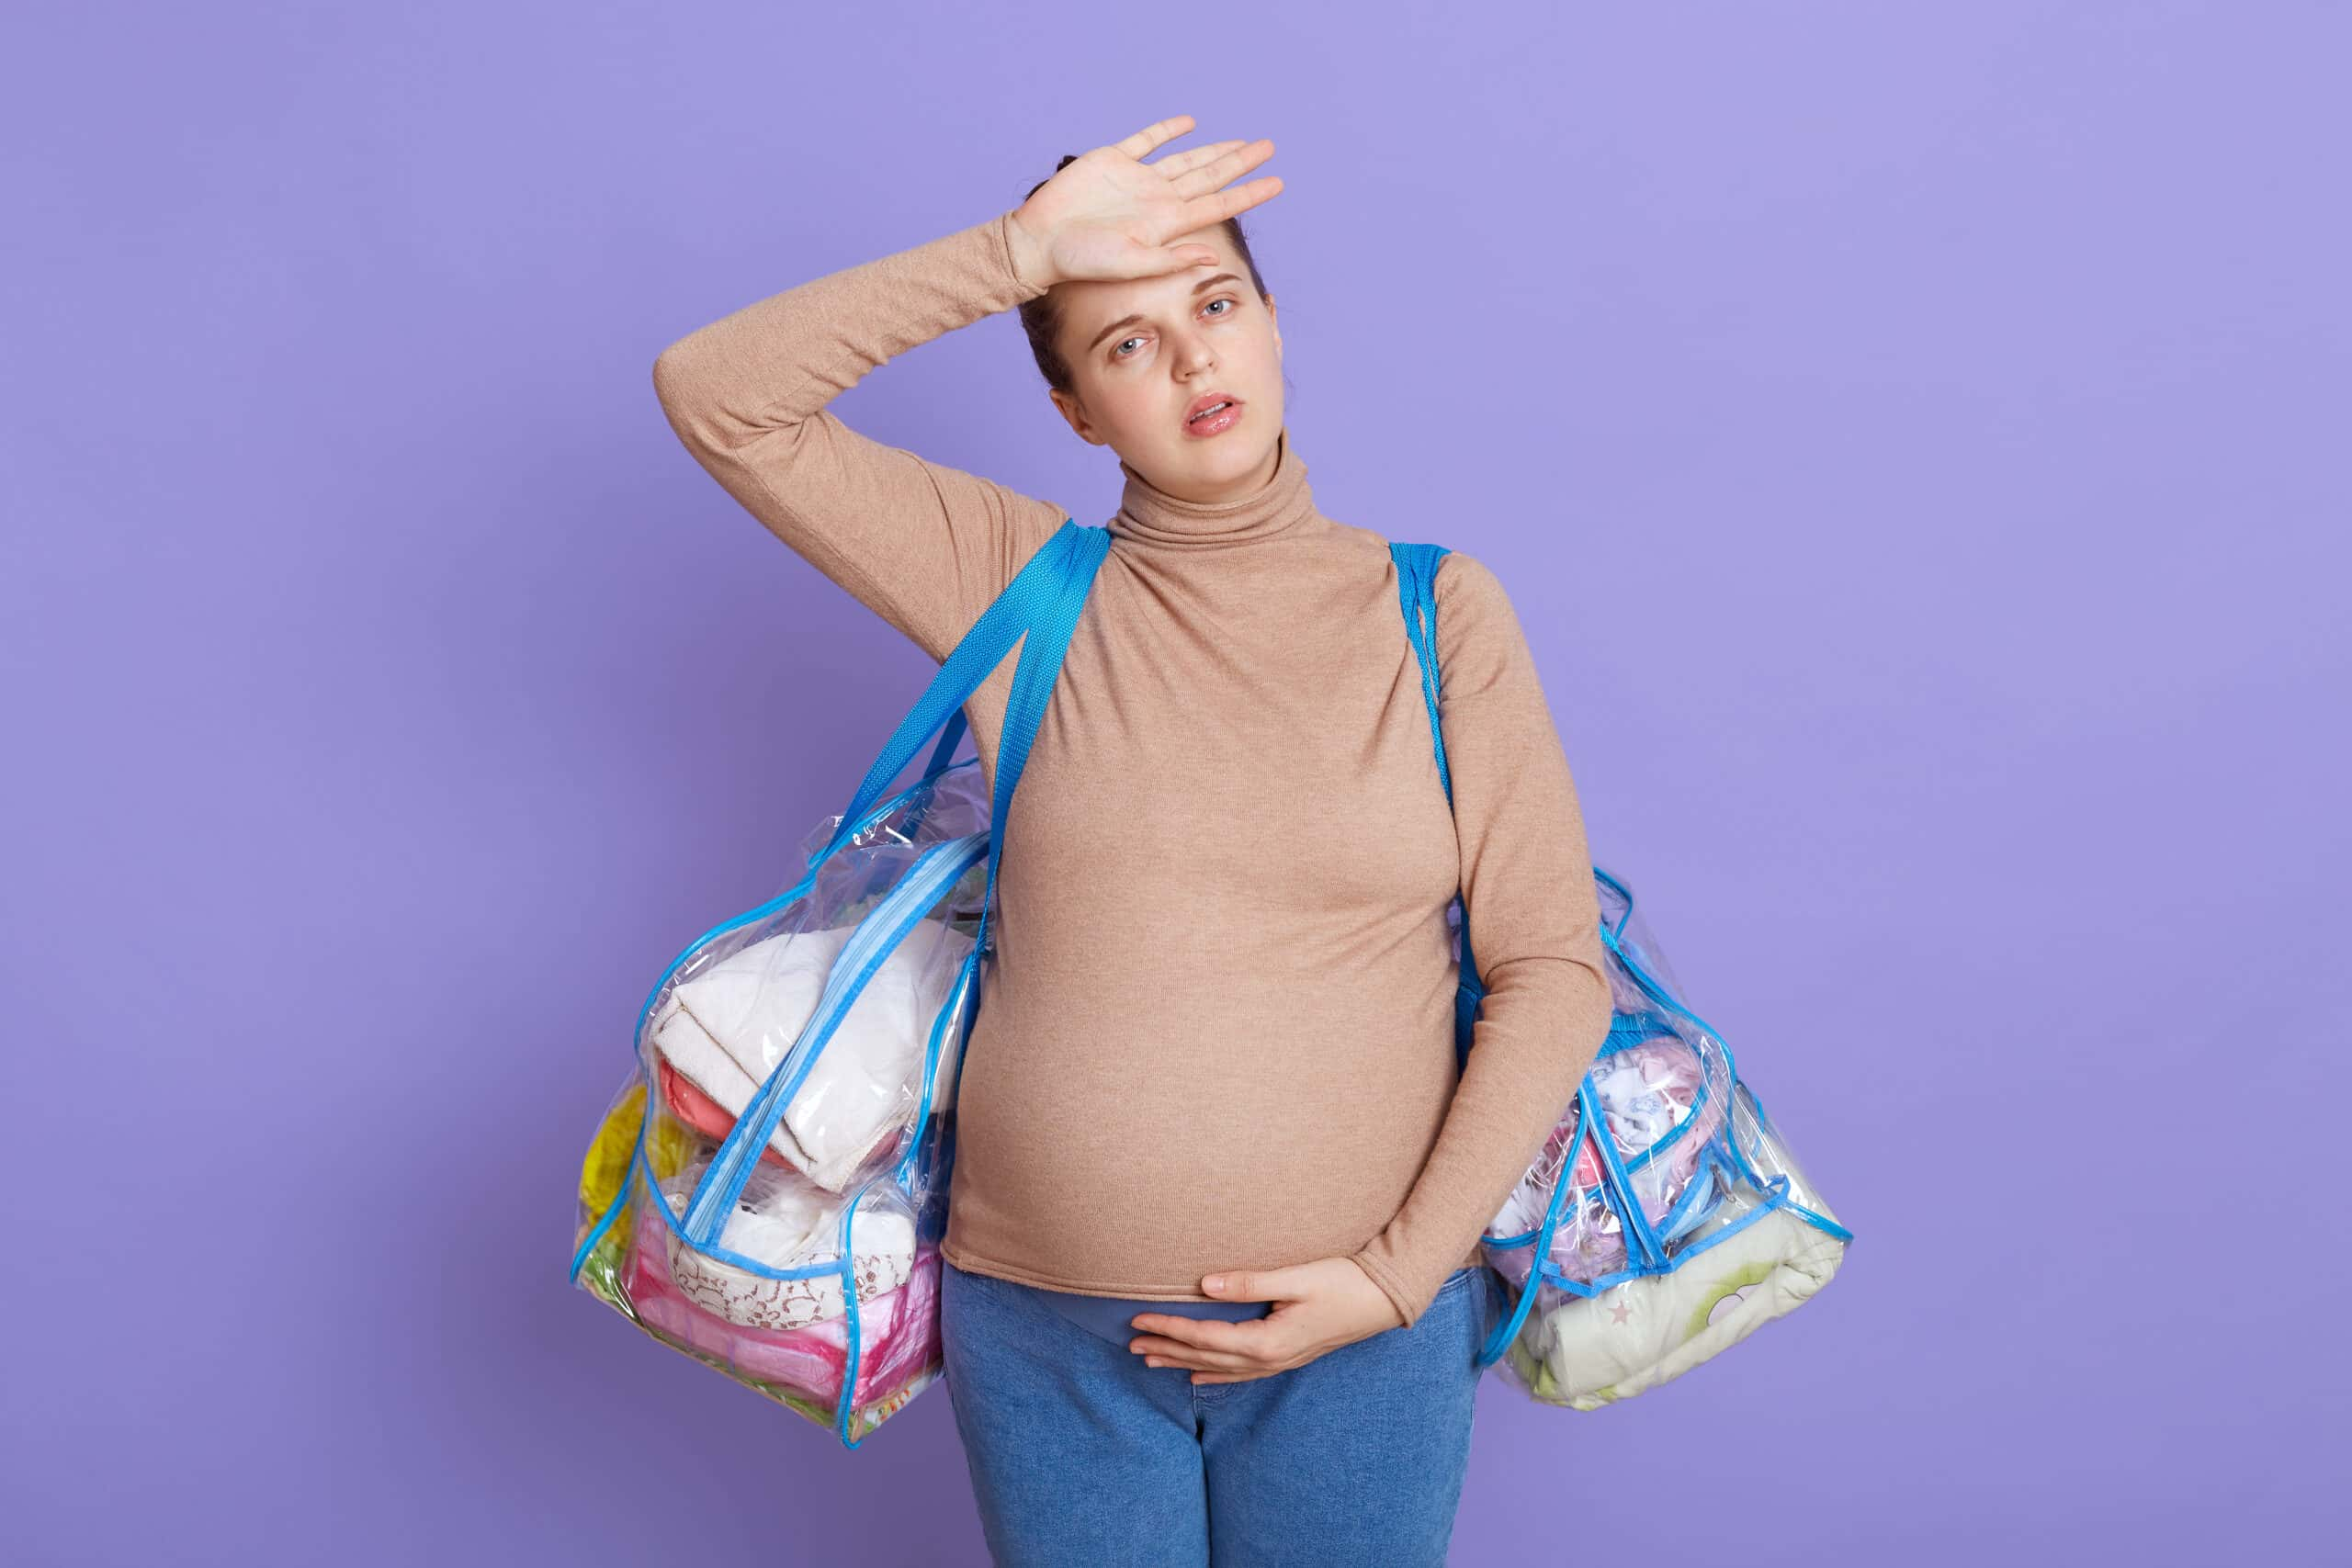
pixel 1150 515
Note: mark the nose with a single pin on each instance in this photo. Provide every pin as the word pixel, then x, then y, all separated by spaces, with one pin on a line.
pixel 1195 357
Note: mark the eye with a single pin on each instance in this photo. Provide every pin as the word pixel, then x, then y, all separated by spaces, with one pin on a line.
pixel 1119 349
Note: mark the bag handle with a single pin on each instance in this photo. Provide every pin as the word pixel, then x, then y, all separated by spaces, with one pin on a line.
pixel 1032 683
pixel 1416 592
pixel 1023 710
pixel 1417 596
pixel 1032 590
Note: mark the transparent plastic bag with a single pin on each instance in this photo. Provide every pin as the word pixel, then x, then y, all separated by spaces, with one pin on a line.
pixel 826 1257
pixel 1670 1219
pixel 1665 1219
pixel 767 1191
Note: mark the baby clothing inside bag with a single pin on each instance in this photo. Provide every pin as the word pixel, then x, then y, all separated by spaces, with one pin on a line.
pixel 727 1029
pixel 784 1221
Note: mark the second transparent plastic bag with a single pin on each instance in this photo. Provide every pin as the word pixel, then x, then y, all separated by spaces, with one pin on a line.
pixel 1665 1220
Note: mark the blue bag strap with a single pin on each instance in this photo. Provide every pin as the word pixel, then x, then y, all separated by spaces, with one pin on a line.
pixel 1032 683
pixel 1037 587
pixel 1417 596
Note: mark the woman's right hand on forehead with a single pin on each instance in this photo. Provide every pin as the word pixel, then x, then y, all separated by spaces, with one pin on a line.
pixel 1109 215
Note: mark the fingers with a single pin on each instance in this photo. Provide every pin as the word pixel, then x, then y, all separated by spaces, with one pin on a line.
pixel 1152 135
pixel 1224 167
pixel 1215 208
pixel 1210 1343
pixel 1192 158
pixel 1154 261
pixel 1207 1333
pixel 1157 1352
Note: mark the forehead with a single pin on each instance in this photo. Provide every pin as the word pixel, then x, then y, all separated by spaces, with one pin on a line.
pixel 1096 302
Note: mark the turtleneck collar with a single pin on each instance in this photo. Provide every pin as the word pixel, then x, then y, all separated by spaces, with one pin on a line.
pixel 1150 515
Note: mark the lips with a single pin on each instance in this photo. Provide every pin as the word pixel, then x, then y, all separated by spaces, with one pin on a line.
pixel 1206 402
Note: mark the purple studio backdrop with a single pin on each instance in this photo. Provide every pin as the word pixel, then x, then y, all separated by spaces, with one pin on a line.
pixel 1913 437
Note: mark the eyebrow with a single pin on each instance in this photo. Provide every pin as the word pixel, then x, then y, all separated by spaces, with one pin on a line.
pixel 1127 320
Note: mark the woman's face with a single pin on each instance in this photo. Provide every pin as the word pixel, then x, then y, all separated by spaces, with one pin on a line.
pixel 1143 352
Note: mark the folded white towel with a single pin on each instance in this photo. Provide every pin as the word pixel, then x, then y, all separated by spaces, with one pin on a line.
pixel 728 1028
pixel 1590 1351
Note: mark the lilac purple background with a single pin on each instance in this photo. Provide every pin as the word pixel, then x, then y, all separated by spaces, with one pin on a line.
pixel 1913 439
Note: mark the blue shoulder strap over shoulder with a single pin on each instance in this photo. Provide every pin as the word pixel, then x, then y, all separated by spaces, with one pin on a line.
pixel 1416 593
pixel 1417 589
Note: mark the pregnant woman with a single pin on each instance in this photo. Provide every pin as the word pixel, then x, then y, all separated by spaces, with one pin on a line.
pixel 1213 1289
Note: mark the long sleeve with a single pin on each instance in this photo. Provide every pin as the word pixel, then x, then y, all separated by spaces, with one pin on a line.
pixel 925 547
pixel 1535 927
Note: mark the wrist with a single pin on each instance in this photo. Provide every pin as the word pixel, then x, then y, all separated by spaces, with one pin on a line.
pixel 1031 265
pixel 1384 1284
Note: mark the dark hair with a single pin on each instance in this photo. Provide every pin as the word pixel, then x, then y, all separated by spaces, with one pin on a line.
pixel 1042 318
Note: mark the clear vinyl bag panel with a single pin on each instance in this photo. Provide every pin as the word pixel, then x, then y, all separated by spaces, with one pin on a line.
pixel 767 1191
pixel 804 1264
pixel 1665 1220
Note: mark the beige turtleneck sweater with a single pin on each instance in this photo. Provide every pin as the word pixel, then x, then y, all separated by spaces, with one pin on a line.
pixel 1218 1030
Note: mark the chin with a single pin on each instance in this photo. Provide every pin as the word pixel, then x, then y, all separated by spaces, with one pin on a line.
pixel 1230 456
pixel 1227 457
pixel 1237 451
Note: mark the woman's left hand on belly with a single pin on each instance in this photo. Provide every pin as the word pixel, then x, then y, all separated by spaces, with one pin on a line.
pixel 1319 1307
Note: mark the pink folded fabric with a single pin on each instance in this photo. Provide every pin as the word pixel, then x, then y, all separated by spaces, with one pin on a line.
pixel 698 1110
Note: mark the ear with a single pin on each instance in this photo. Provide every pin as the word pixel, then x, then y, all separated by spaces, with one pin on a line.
pixel 1275 316
pixel 1074 411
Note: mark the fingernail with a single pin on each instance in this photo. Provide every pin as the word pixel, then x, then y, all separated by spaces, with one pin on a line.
pixel 1214 1281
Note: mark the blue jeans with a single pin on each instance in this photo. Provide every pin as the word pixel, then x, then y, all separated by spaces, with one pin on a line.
pixel 1082 1455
